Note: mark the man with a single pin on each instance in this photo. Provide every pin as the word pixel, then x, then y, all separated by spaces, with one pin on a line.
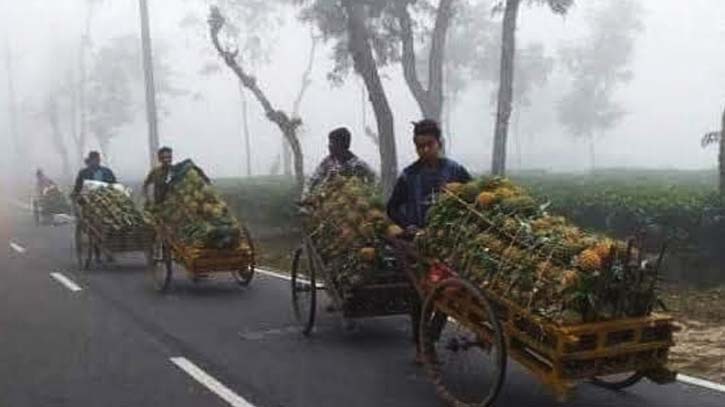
pixel 93 172
pixel 42 182
pixel 419 183
pixel 340 161
pixel 161 175
pixel 414 194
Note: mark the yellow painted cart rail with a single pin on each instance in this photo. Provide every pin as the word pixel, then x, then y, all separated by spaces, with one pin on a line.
pixel 239 261
pixel 614 354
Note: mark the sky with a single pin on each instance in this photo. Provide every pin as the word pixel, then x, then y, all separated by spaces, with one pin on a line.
pixel 676 94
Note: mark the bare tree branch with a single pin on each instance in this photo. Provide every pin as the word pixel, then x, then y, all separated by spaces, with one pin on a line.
pixel 288 126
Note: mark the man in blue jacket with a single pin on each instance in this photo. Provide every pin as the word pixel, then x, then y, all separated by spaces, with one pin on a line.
pixel 417 186
pixel 94 172
pixel 414 194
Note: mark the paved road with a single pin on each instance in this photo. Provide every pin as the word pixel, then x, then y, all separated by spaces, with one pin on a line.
pixel 112 343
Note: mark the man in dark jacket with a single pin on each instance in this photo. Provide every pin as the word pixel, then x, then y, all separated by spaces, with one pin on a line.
pixel 93 172
pixel 419 183
pixel 414 194
pixel 340 161
pixel 161 176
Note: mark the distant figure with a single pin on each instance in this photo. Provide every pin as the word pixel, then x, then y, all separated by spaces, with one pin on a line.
pixel 93 172
pixel 42 182
pixel 421 181
pixel 162 174
pixel 340 161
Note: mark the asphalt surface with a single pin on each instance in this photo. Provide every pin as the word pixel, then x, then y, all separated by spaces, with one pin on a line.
pixel 111 343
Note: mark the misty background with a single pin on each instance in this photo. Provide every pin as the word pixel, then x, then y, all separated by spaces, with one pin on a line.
pixel 674 92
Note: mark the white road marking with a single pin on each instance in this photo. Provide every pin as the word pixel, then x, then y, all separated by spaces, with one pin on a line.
pixel 274 274
pixel 66 282
pixel 17 247
pixel 285 277
pixel 232 398
pixel 701 383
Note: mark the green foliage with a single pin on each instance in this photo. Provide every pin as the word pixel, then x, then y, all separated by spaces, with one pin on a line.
pixel 598 65
pixel 116 85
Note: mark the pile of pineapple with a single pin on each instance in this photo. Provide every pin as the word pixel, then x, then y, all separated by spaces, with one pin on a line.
pixel 53 201
pixel 346 221
pixel 112 210
pixel 195 212
pixel 495 235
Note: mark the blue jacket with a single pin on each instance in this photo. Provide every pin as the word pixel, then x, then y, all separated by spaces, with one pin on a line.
pixel 409 202
pixel 105 175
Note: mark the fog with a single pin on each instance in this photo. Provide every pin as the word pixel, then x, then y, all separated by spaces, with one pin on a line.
pixel 676 92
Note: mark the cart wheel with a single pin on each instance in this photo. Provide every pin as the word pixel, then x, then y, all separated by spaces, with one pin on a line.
pixel 244 276
pixel 84 248
pixel 467 366
pixel 162 268
pixel 36 212
pixel 618 382
pixel 304 291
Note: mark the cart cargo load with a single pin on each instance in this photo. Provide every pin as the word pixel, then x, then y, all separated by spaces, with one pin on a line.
pixel 195 214
pixel 499 238
pixel 346 221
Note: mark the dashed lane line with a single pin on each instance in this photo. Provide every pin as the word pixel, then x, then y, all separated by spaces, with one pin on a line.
pixel 67 282
pixel 218 388
pixel 17 248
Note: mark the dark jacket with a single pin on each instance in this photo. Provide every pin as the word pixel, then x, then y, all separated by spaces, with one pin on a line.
pixel 415 188
pixel 104 175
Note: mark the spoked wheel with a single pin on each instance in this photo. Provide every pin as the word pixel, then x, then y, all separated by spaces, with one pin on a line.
pixel 162 268
pixel 618 382
pixel 244 276
pixel 304 290
pixel 467 366
pixel 36 212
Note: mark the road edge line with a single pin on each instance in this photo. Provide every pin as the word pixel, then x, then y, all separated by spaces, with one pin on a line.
pixel 67 282
pixel 286 277
pixel 700 383
pixel 212 384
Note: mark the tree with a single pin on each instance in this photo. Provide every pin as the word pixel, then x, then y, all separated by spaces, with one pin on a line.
pixel 430 99
pixel 360 31
pixel 287 125
pixel 719 138
pixel 253 24
pixel 56 134
pixel 116 87
pixel 506 80
pixel 598 65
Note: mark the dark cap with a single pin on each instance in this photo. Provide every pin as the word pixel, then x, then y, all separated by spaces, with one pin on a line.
pixel 93 155
pixel 427 127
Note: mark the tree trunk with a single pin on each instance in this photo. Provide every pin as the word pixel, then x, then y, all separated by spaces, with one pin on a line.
pixel 288 126
pixel 592 153
pixel 85 47
pixel 505 91
pixel 57 137
pixel 245 130
pixel 20 152
pixel 430 101
pixel 365 66
pixel 721 157
pixel 151 116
